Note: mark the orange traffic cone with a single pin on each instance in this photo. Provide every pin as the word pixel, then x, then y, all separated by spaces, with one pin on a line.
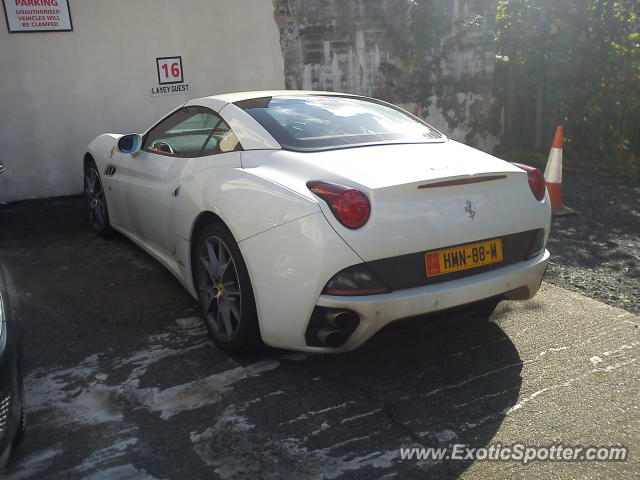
pixel 553 176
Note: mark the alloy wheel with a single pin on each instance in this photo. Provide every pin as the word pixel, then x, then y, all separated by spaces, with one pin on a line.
pixel 219 288
pixel 96 202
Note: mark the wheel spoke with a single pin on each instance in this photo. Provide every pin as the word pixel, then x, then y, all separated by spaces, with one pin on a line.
pixel 225 311
pixel 92 179
pixel 87 186
pixel 219 322
pixel 207 266
pixel 214 262
pixel 222 258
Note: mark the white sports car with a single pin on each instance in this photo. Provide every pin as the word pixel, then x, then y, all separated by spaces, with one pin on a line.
pixel 310 220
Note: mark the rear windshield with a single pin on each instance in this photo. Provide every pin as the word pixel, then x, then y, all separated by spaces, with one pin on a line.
pixel 322 122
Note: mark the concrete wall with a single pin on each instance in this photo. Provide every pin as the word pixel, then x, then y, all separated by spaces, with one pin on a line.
pixel 435 55
pixel 58 90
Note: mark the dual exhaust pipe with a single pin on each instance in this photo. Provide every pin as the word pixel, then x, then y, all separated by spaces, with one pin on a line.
pixel 340 325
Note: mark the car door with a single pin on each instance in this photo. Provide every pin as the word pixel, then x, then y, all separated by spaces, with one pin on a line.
pixel 151 179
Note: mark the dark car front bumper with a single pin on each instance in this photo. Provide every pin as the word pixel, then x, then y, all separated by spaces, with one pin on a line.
pixel 11 385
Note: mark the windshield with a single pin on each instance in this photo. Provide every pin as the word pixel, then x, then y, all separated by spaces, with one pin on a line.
pixel 322 122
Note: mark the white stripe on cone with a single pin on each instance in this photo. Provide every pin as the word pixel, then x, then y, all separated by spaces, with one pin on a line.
pixel 553 171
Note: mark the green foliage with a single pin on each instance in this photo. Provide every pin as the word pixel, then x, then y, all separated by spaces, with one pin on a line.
pixel 583 58
pixel 527 157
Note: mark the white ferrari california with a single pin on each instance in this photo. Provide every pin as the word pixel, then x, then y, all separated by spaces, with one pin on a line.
pixel 310 220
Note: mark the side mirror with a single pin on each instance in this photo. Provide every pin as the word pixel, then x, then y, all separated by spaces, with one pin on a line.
pixel 1 167
pixel 131 143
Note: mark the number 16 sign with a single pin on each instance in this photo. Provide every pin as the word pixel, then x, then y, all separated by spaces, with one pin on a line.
pixel 169 70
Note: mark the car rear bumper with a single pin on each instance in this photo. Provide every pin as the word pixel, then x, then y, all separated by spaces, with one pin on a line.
pixel 518 281
pixel 290 265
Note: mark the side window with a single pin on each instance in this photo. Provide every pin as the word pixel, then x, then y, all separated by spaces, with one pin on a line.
pixel 222 140
pixel 189 132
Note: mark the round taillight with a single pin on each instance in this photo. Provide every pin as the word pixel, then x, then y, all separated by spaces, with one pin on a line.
pixel 349 205
pixel 353 209
pixel 536 180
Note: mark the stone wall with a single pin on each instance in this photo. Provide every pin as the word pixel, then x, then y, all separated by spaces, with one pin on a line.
pixel 434 57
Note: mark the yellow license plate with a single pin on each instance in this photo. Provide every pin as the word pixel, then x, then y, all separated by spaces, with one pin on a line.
pixel 456 259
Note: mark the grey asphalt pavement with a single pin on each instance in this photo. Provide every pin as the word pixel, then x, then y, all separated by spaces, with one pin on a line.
pixel 123 382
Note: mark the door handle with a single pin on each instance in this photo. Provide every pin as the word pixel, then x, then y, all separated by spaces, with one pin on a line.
pixel 176 191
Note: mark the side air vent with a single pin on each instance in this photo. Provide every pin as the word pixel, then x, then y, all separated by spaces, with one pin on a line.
pixel 110 170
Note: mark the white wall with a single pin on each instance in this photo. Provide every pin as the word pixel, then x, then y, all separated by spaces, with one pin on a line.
pixel 59 90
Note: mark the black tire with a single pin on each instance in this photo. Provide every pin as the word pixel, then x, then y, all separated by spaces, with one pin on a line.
pixel 224 290
pixel 96 201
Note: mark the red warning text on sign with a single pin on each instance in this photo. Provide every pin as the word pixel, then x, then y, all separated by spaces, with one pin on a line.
pixel 37 15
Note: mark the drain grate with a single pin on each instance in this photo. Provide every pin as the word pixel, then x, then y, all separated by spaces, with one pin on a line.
pixel 5 405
